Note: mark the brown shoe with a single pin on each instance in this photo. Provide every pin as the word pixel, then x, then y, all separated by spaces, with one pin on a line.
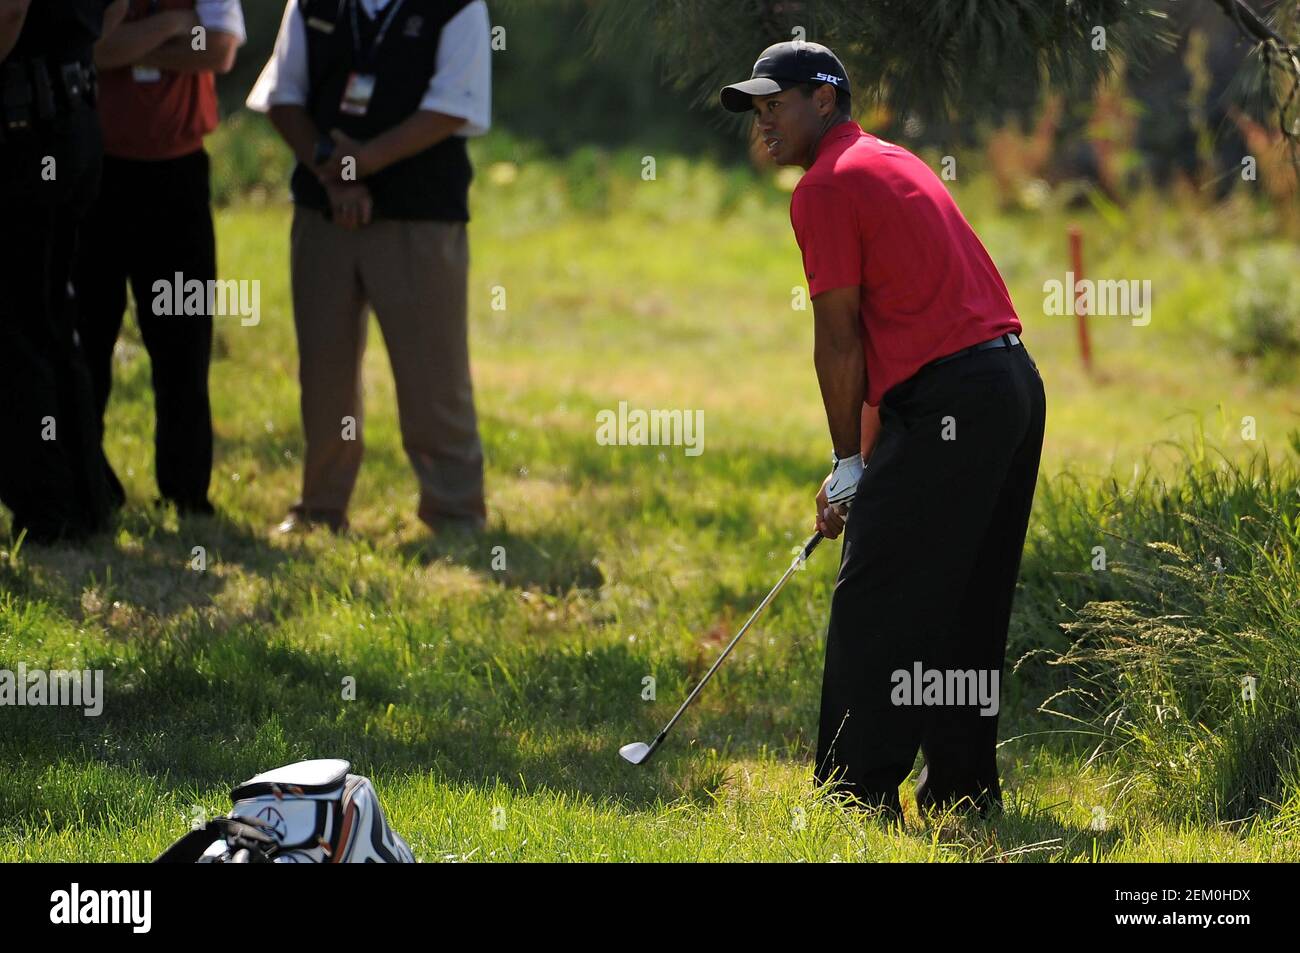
pixel 302 521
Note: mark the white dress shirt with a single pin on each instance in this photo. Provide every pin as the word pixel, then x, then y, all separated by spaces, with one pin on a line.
pixel 223 16
pixel 461 84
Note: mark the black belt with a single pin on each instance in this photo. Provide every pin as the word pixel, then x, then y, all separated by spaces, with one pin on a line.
pixel 33 91
pixel 1005 340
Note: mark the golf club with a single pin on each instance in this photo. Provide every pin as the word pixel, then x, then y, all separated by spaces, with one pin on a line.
pixel 638 752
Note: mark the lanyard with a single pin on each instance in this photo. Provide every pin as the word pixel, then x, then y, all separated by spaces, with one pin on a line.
pixel 364 58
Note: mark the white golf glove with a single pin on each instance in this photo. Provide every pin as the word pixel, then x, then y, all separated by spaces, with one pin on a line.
pixel 844 478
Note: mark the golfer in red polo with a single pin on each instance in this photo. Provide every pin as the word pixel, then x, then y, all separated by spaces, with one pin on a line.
pixel 911 318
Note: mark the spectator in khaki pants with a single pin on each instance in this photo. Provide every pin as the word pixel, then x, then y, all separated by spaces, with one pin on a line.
pixel 376 99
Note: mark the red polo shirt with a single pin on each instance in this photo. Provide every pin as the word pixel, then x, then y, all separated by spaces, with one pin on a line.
pixel 871 214
pixel 156 116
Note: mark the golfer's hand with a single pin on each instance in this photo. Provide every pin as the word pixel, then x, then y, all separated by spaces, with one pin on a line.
pixel 830 519
pixel 351 205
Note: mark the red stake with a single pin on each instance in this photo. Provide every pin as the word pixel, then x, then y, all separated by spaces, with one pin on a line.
pixel 1076 263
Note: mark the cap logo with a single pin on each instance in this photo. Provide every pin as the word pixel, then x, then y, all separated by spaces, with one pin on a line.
pixel 827 78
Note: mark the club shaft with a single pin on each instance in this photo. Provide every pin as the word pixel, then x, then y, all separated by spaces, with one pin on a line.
pixel 807 550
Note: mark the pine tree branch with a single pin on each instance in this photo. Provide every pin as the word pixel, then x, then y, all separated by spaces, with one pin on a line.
pixel 1250 23
pixel 1280 56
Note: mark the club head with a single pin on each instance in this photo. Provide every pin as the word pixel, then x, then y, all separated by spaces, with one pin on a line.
pixel 636 752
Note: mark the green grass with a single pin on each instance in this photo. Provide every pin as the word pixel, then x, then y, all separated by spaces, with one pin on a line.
pixel 490 703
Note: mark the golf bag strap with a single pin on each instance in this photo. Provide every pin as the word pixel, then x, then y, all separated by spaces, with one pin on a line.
pixel 188 849
pixel 251 834
pixel 238 833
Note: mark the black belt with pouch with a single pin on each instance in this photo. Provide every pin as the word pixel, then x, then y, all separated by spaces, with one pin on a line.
pixel 34 92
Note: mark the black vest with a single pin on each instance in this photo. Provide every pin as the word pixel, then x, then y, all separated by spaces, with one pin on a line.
pixel 61 31
pixel 431 185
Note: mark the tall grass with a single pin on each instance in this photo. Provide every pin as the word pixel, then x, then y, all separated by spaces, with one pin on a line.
pixel 1185 661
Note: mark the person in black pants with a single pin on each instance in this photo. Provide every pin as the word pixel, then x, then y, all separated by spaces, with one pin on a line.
pixel 51 473
pixel 931 554
pixel 911 317
pixel 154 222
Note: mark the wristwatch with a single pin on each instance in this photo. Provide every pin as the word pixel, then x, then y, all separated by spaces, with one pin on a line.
pixel 324 149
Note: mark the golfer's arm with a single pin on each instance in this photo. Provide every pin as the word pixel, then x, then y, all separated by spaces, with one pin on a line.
pixel 417 132
pixel 298 130
pixel 178 54
pixel 13 14
pixel 841 366
pixel 131 42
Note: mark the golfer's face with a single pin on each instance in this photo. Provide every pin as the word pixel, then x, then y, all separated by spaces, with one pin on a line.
pixel 785 122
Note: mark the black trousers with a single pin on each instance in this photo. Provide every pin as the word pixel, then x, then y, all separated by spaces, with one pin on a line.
pixel 930 558
pixel 153 220
pixel 51 471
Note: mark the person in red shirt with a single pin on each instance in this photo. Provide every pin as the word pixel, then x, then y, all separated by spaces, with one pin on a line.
pixel 153 222
pixel 936 414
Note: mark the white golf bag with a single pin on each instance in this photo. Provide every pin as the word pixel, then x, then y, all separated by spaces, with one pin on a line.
pixel 310 812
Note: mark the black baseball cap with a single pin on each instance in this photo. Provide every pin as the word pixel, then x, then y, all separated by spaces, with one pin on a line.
pixel 783 65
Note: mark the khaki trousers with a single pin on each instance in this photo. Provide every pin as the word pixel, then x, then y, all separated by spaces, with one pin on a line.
pixel 414 275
